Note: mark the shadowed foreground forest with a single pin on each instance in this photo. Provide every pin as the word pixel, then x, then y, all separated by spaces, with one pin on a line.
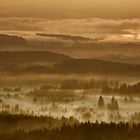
pixel 70 129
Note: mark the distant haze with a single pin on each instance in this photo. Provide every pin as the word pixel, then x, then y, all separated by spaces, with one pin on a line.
pixel 103 20
pixel 70 9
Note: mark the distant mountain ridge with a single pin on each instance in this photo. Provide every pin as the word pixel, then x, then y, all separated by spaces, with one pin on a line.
pixel 31 57
pixel 94 66
pixel 65 37
pixel 37 62
pixel 11 40
pixel 121 58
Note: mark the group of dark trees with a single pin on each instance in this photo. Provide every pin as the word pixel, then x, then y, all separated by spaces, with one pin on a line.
pixel 135 88
pixel 123 89
pixel 135 117
pixel 101 102
pixel 113 105
pixel 12 89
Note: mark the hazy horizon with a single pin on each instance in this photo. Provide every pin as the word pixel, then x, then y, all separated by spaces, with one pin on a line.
pixel 70 9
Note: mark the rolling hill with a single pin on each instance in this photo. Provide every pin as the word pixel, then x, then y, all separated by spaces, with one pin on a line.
pixel 31 57
pixel 93 66
pixel 37 63
pixel 11 40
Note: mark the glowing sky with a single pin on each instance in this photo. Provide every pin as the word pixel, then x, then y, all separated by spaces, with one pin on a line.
pixel 110 19
pixel 70 8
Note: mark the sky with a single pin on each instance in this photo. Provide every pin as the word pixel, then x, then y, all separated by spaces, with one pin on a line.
pixel 70 9
pixel 113 20
pixel 105 30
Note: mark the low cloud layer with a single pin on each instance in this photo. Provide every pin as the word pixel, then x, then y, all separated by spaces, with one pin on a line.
pixel 107 29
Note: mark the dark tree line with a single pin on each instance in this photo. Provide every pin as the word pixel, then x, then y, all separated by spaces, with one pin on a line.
pixel 83 131
pixel 123 89
pixel 69 130
pixel 79 84
pixel 12 122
